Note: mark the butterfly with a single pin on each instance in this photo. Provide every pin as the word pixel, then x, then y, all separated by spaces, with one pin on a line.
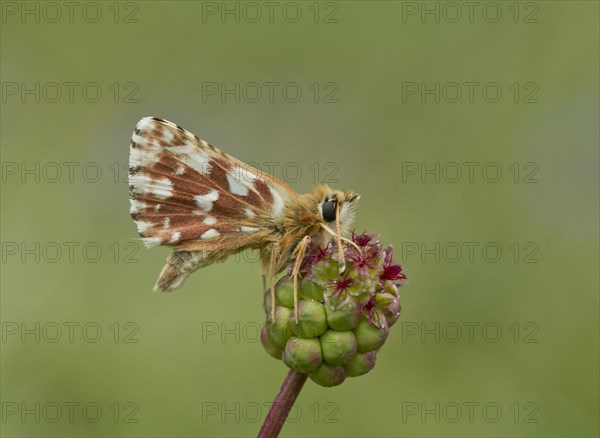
pixel 207 205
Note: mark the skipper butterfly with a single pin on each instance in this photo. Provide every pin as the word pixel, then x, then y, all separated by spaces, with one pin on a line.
pixel 207 205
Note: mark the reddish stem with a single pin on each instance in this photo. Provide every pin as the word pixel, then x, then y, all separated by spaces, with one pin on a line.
pixel 290 388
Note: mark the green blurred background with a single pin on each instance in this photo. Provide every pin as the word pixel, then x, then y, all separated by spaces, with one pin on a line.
pixel 190 364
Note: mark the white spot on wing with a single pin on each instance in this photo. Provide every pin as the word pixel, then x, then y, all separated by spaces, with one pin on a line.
pixel 151 241
pixel 146 124
pixel 180 170
pixel 175 237
pixel 238 186
pixel 136 205
pixel 249 212
pixel 193 156
pixel 167 222
pixel 209 234
pixel 249 229
pixel 277 202
pixel 244 173
pixel 161 188
pixel 209 220
pixel 205 202
pixel 145 154
pixel 168 135
pixel 138 139
pixel 143 226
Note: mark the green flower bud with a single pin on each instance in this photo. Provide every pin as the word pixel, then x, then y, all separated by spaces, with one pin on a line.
pixel 363 285
pixel 344 317
pixel 360 364
pixel 328 375
pixel 389 306
pixel 371 336
pixel 280 331
pixel 390 287
pixel 326 271
pixel 270 347
pixel 302 355
pixel 310 289
pixel 312 320
pixel 338 347
pixel 284 292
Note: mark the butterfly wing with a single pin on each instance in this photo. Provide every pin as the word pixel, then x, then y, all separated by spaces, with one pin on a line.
pixel 188 194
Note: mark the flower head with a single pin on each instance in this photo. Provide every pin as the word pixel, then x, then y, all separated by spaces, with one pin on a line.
pixel 344 318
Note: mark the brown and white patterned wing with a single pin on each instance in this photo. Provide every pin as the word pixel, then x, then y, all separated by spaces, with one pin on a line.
pixel 183 190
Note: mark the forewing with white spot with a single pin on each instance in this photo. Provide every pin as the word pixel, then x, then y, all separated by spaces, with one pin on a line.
pixel 183 190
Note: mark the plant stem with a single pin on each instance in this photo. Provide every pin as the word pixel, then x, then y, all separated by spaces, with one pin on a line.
pixel 290 388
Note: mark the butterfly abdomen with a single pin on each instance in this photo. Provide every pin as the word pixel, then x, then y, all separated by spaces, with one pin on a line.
pixel 180 264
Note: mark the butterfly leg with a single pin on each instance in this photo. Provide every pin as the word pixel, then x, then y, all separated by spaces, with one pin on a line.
pixel 300 251
pixel 272 268
pixel 339 238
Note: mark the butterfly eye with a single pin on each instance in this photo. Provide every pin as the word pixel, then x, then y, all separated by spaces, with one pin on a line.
pixel 328 210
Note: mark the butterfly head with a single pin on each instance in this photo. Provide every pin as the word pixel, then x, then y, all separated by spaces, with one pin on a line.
pixel 332 203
